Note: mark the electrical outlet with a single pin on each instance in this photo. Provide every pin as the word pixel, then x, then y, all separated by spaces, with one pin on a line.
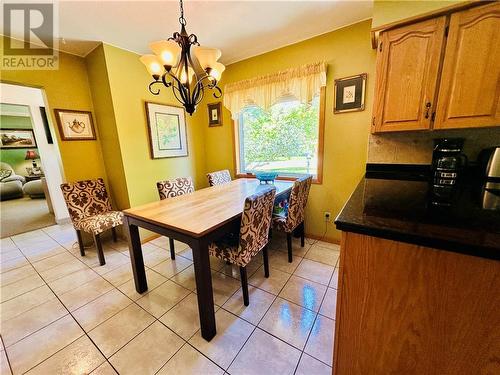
pixel 327 215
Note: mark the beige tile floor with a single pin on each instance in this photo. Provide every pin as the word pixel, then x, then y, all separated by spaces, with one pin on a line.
pixel 64 314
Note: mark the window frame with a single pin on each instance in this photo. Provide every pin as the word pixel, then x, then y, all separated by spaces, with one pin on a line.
pixel 321 131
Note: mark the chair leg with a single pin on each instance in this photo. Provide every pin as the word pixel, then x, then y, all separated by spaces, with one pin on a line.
pixel 80 242
pixel 100 253
pixel 244 285
pixel 289 245
pixel 172 248
pixel 266 261
pixel 302 235
pixel 113 233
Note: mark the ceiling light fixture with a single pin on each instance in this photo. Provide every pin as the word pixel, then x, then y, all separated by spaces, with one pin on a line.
pixel 173 66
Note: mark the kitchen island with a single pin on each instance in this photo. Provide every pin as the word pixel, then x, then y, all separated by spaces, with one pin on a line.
pixel 419 284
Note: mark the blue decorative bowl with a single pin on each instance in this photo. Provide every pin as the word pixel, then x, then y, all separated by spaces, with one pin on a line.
pixel 266 176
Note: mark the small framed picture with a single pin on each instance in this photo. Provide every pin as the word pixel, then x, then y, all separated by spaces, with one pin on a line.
pixel 350 94
pixel 17 138
pixel 215 114
pixel 167 130
pixel 75 125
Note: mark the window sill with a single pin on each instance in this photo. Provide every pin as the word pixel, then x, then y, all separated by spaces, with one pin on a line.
pixel 315 181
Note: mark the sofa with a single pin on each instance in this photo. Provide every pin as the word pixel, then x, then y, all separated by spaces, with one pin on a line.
pixel 11 184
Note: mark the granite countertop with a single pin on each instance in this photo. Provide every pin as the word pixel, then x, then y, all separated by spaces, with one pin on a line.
pixel 398 207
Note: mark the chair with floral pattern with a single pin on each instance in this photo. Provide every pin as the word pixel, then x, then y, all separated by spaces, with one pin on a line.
pixel 90 211
pixel 253 236
pixel 294 219
pixel 219 178
pixel 174 188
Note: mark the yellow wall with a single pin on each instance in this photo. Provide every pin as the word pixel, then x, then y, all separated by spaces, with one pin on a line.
pixel 387 11
pixel 128 81
pixel 347 52
pixel 66 88
pixel 105 118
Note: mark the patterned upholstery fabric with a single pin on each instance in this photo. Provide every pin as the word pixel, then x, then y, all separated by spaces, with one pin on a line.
pixel 254 230
pixel 99 223
pixel 297 206
pixel 219 178
pixel 89 206
pixel 175 187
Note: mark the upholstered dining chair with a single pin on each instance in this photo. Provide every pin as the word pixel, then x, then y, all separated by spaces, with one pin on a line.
pixel 90 211
pixel 253 236
pixel 174 188
pixel 219 178
pixel 294 218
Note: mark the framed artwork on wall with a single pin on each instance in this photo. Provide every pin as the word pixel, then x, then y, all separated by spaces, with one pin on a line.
pixel 350 94
pixel 17 138
pixel 75 125
pixel 166 130
pixel 214 114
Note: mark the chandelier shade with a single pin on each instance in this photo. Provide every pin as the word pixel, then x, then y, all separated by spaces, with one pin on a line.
pixel 167 51
pixel 187 75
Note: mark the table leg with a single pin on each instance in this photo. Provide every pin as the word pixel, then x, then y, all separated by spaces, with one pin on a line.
pixel 204 290
pixel 135 249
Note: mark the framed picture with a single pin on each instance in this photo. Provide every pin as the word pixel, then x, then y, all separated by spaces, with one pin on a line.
pixel 17 138
pixel 167 130
pixel 350 94
pixel 75 125
pixel 215 114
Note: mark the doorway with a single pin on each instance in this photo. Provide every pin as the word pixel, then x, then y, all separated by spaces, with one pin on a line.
pixel 31 169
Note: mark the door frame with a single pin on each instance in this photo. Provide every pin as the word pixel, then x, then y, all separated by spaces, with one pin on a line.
pixel 50 156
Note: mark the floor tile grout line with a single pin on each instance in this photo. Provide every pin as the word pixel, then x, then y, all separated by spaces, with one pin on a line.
pixel 157 319
pixel 260 320
pixel 6 356
pixel 77 322
pixel 309 335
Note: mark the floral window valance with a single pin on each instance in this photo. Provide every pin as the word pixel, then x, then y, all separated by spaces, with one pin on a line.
pixel 303 82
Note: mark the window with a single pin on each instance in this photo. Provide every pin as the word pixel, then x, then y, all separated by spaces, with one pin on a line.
pixel 285 139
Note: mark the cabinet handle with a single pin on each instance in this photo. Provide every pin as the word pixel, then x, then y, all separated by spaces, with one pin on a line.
pixel 427 109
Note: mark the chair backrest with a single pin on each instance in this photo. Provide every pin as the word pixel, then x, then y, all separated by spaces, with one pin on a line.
pixel 86 198
pixel 175 187
pixel 219 178
pixel 255 222
pixel 297 202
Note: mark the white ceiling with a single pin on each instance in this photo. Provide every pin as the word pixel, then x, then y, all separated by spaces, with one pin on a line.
pixel 241 29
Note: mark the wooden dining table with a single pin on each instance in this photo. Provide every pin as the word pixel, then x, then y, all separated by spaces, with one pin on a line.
pixel 195 219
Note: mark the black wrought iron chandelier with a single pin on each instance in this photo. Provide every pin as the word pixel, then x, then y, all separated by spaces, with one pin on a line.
pixel 173 66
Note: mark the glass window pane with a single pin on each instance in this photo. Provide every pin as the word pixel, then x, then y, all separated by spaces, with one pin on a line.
pixel 283 139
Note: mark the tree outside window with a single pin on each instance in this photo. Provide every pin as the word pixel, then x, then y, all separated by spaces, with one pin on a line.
pixel 283 139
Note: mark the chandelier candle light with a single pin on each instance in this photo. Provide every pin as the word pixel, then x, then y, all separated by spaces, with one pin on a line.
pixel 173 66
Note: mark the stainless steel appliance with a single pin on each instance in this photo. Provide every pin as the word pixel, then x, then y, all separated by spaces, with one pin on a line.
pixel 489 164
pixel 448 162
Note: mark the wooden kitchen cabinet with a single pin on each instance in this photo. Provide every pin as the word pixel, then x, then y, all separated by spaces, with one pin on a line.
pixel 442 73
pixel 409 309
pixel 407 76
pixel 469 93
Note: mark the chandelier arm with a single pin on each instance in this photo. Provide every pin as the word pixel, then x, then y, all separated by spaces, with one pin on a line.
pixel 201 96
pixel 180 88
pixel 150 87
pixel 217 92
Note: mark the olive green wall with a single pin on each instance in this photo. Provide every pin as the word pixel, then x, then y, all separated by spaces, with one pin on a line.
pixel 347 52
pixel 106 122
pixel 15 157
pixel 66 88
pixel 387 11
pixel 128 83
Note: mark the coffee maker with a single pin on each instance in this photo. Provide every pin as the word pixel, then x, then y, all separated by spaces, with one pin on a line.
pixel 448 163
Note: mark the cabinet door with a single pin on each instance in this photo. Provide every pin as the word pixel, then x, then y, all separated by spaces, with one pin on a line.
pixel 469 92
pixel 407 73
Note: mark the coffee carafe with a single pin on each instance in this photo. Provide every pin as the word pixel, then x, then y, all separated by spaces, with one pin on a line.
pixel 448 163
